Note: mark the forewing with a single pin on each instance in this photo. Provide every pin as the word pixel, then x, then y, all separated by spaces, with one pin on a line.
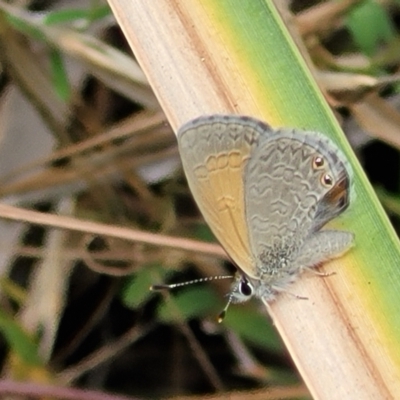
pixel 214 151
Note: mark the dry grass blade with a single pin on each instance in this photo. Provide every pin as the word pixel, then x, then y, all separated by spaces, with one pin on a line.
pixel 378 118
pixel 56 221
pixel 309 21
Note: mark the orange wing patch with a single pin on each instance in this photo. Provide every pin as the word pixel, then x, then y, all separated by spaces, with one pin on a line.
pixel 218 187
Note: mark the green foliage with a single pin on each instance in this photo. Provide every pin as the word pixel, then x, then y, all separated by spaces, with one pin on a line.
pixel 370 25
pixel 59 75
pixel 136 290
pixel 26 27
pixel 19 341
pixel 76 14
pixel 189 303
pixel 203 232
pixel 253 327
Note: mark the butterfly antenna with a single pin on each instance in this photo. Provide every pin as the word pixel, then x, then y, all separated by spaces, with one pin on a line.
pixel 194 281
pixel 222 314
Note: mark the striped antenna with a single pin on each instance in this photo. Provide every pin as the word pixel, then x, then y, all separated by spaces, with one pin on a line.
pixel 222 314
pixel 194 281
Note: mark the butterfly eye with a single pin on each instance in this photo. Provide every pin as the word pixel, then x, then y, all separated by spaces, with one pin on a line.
pixel 245 288
pixel 318 162
pixel 326 180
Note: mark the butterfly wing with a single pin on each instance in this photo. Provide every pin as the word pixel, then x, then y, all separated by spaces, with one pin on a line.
pixel 214 151
pixel 296 182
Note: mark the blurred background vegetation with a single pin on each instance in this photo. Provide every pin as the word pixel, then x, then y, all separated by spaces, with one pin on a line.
pixel 82 135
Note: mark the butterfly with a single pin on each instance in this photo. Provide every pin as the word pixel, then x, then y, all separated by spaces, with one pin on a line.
pixel 266 195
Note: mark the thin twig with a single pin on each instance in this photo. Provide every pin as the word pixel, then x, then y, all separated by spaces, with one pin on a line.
pixel 62 222
pixel 36 391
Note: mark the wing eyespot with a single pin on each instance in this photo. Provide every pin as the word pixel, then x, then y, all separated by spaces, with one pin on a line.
pixel 326 180
pixel 318 162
